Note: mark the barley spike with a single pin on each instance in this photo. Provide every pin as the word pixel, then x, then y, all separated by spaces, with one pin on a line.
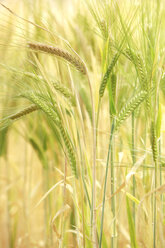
pixel 60 53
pixel 23 112
pixel 113 85
pixel 106 75
pixel 154 143
pixel 130 107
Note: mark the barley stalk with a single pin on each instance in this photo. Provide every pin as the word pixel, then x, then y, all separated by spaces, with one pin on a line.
pixel 155 158
pixel 105 183
pixel 133 161
pixel 60 53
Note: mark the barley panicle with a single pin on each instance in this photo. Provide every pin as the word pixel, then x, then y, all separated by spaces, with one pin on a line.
pixel 130 107
pixel 113 85
pixel 65 92
pixel 69 147
pixel 154 142
pixel 107 74
pixel 23 112
pixel 60 53
pixel 138 61
pixel 55 117
pixel 42 105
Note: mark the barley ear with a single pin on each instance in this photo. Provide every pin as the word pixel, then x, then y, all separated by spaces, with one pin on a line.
pixel 154 142
pixel 75 61
pixel 138 61
pixel 107 74
pixel 65 92
pixel 71 153
pixel 37 100
pixel 113 85
pixel 23 112
pixel 129 108
pixel 54 115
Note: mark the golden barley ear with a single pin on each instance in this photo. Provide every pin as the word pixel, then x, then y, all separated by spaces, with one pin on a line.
pixel 76 62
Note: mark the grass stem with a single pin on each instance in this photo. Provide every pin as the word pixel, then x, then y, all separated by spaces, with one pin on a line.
pixel 105 184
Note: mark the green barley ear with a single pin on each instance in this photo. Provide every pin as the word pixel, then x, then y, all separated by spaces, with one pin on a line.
pixel 130 107
pixel 137 111
pixel 75 61
pixel 141 69
pixel 53 114
pixel 107 74
pixel 8 121
pixel 113 85
pixel 154 142
pixel 138 61
pixel 23 112
pixel 58 87
pixel 71 153
pixel 65 92
pixel 38 101
pixel 103 29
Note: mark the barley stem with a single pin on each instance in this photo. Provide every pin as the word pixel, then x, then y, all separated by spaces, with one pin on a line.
pixel 134 160
pixel 155 159
pixel 105 183
pixel 113 199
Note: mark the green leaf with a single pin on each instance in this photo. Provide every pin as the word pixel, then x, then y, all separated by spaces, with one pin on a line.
pixel 131 225
pixel 39 151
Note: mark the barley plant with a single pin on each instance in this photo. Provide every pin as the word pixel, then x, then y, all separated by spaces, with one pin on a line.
pixel 82 116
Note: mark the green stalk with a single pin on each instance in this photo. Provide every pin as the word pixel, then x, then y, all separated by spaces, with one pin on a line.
pixel 61 243
pixel 155 207
pixel 93 209
pixel 49 206
pixel 113 201
pixel 133 160
pixel 160 167
pixel 45 211
pixel 105 183
pixel 155 158
pixel 145 148
pixel 97 117
pixel 8 194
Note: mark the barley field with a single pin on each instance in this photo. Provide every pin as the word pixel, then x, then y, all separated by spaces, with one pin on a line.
pixel 82 123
